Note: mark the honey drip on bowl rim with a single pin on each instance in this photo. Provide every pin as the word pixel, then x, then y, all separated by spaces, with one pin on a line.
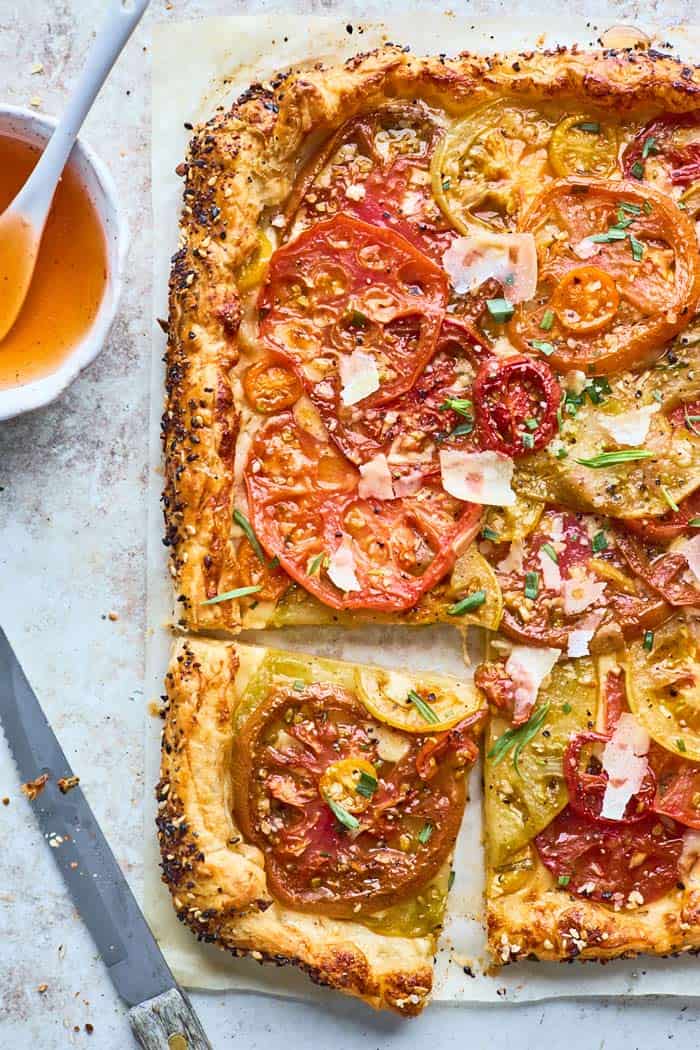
pixel 70 276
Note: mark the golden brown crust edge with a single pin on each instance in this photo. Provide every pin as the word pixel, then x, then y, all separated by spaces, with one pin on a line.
pixel 217 881
pixel 544 922
pixel 240 166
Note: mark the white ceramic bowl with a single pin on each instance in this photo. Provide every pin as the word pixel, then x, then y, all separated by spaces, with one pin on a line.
pixel 36 128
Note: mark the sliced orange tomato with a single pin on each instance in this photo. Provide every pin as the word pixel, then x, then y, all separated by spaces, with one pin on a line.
pixel 585 300
pixel 270 387
pixel 343 782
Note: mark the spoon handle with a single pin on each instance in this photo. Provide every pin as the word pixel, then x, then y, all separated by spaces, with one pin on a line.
pixel 122 18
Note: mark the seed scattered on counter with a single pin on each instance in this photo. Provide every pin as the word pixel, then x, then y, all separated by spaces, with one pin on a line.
pixel 37 68
pixel 89 1028
pixel 6 801
pixel 42 988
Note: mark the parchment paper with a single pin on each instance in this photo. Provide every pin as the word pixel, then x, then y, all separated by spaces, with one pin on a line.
pixel 196 66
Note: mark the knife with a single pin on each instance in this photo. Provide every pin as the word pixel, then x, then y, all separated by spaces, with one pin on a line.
pixel 161 1015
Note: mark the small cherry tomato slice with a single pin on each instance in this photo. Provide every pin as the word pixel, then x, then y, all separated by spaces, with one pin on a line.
pixel 670 526
pixel 581 145
pixel 254 269
pixel 544 600
pixel 375 167
pixel 667 572
pixel 516 401
pixel 585 300
pixel 594 858
pixel 344 286
pixel 678 786
pixel 666 148
pixel 305 507
pixel 647 249
pixel 587 782
pixel 270 387
pixel 292 755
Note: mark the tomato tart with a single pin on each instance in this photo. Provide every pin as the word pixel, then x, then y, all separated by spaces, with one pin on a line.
pixel 434 356
pixel 308 810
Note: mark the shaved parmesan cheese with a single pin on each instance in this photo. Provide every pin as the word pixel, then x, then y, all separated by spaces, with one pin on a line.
pixel 528 666
pixel 513 561
pixel 625 762
pixel 581 592
pixel 409 484
pixel 341 567
pixel 358 375
pixel 578 643
pixel 376 479
pixel 691 552
pixel 510 258
pixel 356 191
pixel 630 428
pixel 478 477
pixel 391 746
pixel 586 248
pixel 551 576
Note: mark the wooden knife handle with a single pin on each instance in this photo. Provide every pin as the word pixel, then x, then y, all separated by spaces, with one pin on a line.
pixel 168 1022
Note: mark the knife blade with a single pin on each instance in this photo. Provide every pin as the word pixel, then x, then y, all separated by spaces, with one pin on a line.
pixel 161 1016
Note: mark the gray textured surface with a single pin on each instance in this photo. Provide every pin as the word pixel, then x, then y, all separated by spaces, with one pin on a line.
pixel 72 528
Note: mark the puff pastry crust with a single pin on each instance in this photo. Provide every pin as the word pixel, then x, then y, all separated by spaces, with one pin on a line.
pixel 238 174
pixel 218 881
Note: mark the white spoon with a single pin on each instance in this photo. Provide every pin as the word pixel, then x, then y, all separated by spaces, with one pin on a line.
pixel 22 223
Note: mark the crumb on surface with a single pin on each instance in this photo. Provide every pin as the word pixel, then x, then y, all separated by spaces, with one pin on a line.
pixel 33 788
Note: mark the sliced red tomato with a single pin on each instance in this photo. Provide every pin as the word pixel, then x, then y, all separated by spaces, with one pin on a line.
pixel 672 142
pixel 670 526
pixel 574 587
pixel 639 284
pixel 305 507
pixel 678 786
pixel 516 403
pixel 667 572
pixel 412 428
pixel 594 860
pixel 587 782
pixel 343 831
pixel 615 698
pixel 343 287
pixel 376 167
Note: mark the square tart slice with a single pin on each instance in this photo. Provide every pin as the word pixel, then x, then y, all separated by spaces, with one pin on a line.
pixel 561 882
pixel 308 810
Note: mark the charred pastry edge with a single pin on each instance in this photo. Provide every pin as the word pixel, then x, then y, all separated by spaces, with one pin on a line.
pixel 217 881
pixel 240 167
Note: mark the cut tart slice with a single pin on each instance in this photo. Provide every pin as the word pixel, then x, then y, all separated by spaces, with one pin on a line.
pixel 592 808
pixel 308 810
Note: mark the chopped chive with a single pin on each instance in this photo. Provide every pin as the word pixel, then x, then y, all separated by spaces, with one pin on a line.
pixel 528 441
pixel 457 404
pixel 680 744
pixel 314 564
pixel 648 642
pixel 543 346
pixel 357 319
pixel 566 708
pixel 451 879
pixel 425 833
pixel 462 429
pixel 550 551
pixel 547 320
pixel 517 739
pixel 561 453
pixel 243 523
pixel 669 498
pixel 298 684
pixel 564 880
pixel 694 523
pixel 366 785
pixel 532 584
pixel 599 543
pixel 637 170
pixel 647 207
pixel 649 147
pixel 239 592
pixel 637 248
pixel 690 421
pixel 657 395
pixel 591 126
pixel 609 459
pixel 489 534
pixel 341 814
pixel 622 222
pixel 422 707
pixel 446 183
pixel 531 424
pixel 629 207
pixel 472 601
pixel 500 309
pixel 611 235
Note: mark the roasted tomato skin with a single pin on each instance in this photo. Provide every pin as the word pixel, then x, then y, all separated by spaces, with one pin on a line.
pixel 586 788
pixel 670 526
pixel 509 394
pixel 681 161
pixel 664 571
pixel 678 786
pixel 287 751
pixel 592 860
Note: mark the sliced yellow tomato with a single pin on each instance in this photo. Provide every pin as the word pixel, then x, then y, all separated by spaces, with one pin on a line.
pixel 254 268
pixel 472 575
pixel 270 387
pixel 581 145
pixel 521 799
pixel 515 872
pixel 513 523
pixel 419 916
pixel 489 163
pixel 349 783
pixel 663 685
pixel 416 702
